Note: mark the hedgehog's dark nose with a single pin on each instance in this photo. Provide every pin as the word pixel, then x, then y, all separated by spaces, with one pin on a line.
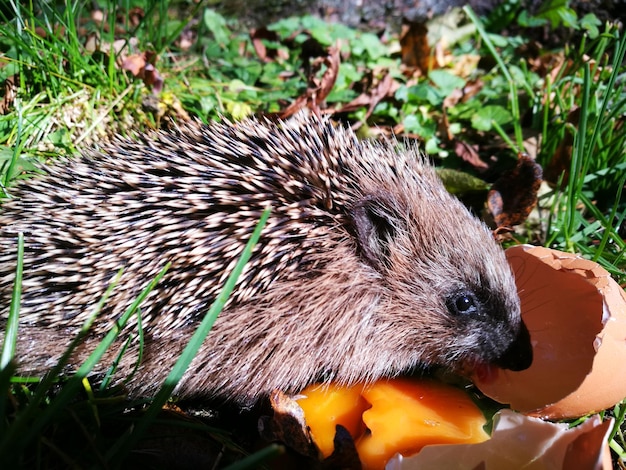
pixel 519 354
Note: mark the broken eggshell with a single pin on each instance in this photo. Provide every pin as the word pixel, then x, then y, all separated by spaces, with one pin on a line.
pixel 576 315
pixel 530 443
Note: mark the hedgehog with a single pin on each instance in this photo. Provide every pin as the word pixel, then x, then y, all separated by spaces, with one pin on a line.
pixel 367 267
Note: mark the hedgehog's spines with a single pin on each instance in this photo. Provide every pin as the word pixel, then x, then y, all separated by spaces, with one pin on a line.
pixel 350 279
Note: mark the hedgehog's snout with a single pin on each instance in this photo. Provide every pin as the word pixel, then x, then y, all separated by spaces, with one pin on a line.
pixel 519 355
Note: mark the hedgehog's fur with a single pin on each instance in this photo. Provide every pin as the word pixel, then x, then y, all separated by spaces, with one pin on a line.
pixel 360 272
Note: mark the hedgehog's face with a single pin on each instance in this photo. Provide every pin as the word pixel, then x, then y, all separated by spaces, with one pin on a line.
pixel 487 332
pixel 453 289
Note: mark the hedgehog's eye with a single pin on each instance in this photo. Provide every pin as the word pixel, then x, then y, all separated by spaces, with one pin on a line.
pixel 463 303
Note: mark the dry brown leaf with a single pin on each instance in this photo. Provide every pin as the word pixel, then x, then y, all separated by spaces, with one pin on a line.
pixel 142 66
pixel 92 43
pixel 135 64
pixel 453 98
pixel 287 425
pixel 472 88
pixel 10 92
pixel 514 194
pixel 133 17
pixel 326 83
pixel 371 98
pixel 464 66
pixel 548 64
pixel 97 15
pixel 469 154
pixel 560 162
pixel 319 87
pixel 186 39
pixel 416 52
pixel 257 36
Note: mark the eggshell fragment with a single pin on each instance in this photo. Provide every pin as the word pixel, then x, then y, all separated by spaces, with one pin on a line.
pixel 520 441
pixel 576 315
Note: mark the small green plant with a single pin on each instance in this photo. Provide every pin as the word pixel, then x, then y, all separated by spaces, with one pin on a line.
pixel 69 85
pixel 550 14
pixel 587 112
pixel 578 113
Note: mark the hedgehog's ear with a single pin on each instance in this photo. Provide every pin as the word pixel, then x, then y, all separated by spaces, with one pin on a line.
pixel 375 224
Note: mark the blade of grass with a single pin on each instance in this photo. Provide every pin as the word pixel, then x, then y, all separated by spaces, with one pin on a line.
pixel 576 178
pixel 10 334
pixel 23 422
pixel 517 126
pixel 609 232
pixel 113 368
pixel 126 442
pixel 112 57
pixel 25 428
pixel 17 149
pixel 257 459
pixel 91 399
pixel 608 98
pixel 102 115
pixel 108 376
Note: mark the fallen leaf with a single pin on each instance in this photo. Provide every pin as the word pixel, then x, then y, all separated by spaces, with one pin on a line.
pixel 288 425
pixel 142 66
pixel 453 98
pixel 318 88
pixel 472 88
pixel 135 64
pixel 97 15
pixel 10 92
pixel 134 17
pixel 370 99
pixel 259 35
pixel 416 52
pixel 152 78
pixel 187 38
pixel 465 65
pixel 469 154
pixel 514 194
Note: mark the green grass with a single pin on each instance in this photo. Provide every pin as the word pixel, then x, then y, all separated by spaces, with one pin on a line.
pixel 45 407
pixel 68 96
